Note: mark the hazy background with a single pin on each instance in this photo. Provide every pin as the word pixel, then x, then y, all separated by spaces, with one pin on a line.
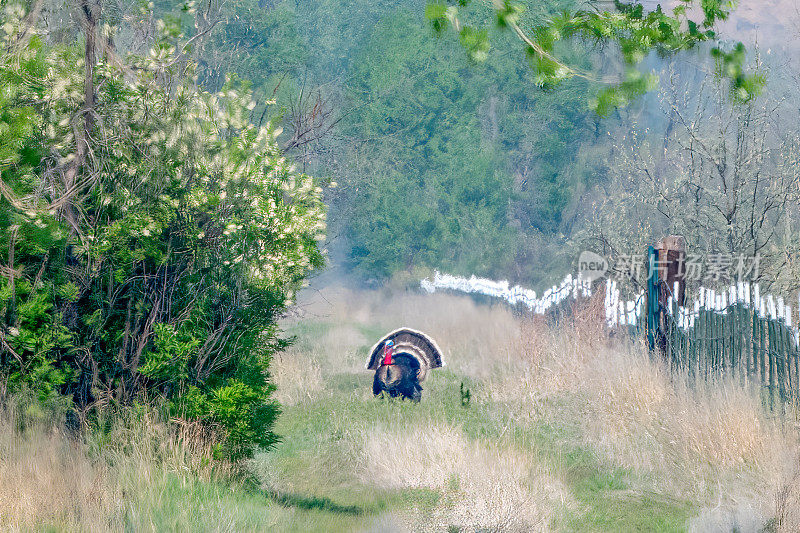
pixel 472 169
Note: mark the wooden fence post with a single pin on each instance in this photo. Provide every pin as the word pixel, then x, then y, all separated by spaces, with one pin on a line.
pixel 672 268
pixel 666 268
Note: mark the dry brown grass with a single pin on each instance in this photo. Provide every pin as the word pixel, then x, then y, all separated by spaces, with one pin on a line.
pixel 485 487
pixel 474 337
pixel 53 479
pixel 712 444
pixel 296 377
pixel 47 479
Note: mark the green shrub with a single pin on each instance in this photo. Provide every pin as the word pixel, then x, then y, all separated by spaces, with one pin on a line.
pixel 148 249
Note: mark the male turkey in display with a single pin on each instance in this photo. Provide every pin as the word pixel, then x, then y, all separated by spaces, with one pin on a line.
pixel 401 361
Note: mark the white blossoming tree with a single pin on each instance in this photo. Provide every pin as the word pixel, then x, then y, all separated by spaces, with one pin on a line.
pixel 150 234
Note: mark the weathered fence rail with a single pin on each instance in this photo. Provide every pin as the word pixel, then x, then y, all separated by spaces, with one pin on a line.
pixel 735 332
pixel 740 333
pixel 571 287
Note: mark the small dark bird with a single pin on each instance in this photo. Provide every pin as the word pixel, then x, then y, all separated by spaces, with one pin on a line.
pixel 401 361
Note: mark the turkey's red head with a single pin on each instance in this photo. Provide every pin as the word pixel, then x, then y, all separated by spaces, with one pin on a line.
pixel 388 351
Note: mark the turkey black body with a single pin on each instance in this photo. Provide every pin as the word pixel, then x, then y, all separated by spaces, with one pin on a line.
pixel 400 379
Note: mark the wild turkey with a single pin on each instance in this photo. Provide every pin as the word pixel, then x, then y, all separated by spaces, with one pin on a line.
pixel 401 360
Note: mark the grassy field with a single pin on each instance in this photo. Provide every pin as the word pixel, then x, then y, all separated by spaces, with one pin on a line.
pixel 564 430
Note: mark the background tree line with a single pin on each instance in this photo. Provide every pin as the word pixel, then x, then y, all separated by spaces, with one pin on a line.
pixel 474 167
pixel 439 162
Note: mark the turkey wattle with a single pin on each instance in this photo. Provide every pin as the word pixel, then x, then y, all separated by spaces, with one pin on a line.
pixel 401 361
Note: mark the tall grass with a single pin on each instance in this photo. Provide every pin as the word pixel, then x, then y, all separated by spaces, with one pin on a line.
pixel 711 445
pixel 48 478
pixel 569 428
pixel 131 471
pixel 484 487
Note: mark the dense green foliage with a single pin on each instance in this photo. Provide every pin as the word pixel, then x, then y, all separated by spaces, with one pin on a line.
pixel 150 236
pixel 431 184
pixel 462 159
pixel 440 163
pixel 474 163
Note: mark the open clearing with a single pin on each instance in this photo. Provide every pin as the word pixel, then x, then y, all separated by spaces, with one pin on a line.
pixel 564 430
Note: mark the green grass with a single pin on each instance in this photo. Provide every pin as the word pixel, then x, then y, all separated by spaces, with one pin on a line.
pixel 326 495
pixel 180 504
pixel 314 480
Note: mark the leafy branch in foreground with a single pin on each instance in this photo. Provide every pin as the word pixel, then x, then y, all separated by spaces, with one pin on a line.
pixel 635 32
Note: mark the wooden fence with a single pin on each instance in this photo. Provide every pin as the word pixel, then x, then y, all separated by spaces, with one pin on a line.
pixel 733 332
pixel 740 334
